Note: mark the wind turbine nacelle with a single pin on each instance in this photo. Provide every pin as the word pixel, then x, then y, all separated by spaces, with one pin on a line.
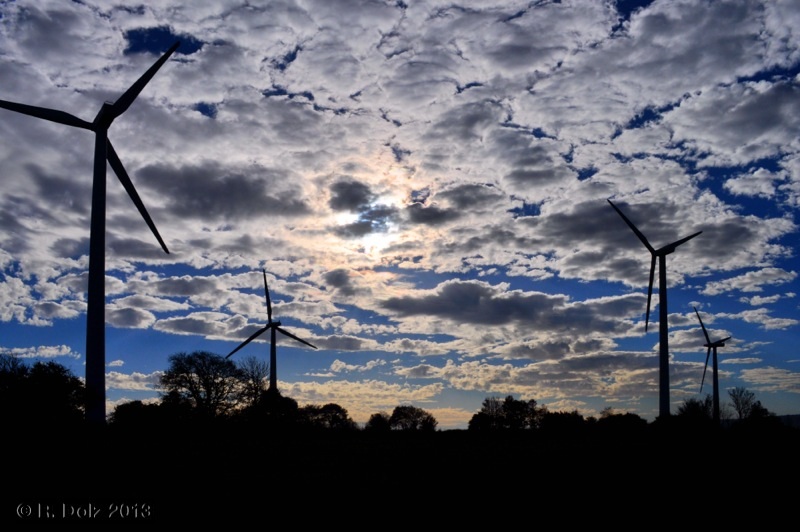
pixel 105 116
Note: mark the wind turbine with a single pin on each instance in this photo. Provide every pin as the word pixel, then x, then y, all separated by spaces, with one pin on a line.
pixel 274 327
pixel 103 151
pixel 663 332
pixel 712 347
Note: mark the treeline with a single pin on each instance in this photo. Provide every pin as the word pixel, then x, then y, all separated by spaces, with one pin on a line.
pixel 203 388
pixel 218 445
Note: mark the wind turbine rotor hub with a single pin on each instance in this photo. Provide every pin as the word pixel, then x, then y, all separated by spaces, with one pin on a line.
pixel 104 117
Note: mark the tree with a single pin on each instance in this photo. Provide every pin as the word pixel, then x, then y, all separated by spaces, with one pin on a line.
pixel 521 414
pixel 378 422
pixel 135 414
pixel 273 410
pixel 255 373
pixel 411 418
pixel 743 401
pixel 211 383
pixel 620 423
pixel 489 417
pixel 696 409
pixel 46 393
pixel 508 413
pixel 563 423
pixel 330 416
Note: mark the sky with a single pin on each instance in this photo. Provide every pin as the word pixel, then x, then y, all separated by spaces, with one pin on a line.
pixel 426 184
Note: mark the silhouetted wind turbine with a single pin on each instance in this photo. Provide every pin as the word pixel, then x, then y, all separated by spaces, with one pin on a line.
pixel 103 151
pixel 712 347
pixel 663 341
pixel 273 327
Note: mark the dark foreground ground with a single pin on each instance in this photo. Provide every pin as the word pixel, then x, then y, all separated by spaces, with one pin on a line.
pixel 241 477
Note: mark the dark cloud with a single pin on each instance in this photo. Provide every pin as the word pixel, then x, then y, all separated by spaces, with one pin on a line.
pixel 340 343
pixel 471 196
pixel 353 230
pixel 213 193
pixel 350 196
pixel 480 304
pixel 182 286
pixel 467 122
pixel 475 302
pixel 73 195
pixel 132 318
pixel 131 248
pixel 237 245
pixel 553 350
pixel 340 280
pixel 69 248
pixel 430 215
pixel 188 325
pixel 470 240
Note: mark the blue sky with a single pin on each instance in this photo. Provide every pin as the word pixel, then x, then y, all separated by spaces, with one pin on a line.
pixel 426 185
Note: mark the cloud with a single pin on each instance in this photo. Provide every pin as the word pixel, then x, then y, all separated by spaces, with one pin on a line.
pixel 752 281
pixel 42 351
pixel 772 379
pixel 211 192
pixel 134 381
pixel 422 181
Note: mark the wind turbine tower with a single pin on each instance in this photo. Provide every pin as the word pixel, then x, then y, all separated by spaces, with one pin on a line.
pixel 663 331
pixel 712 348
pixel 103 153
pixel 274 327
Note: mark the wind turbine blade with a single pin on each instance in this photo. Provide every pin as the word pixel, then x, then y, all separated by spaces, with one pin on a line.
pixel 252 337
pixel 723 340
pixel 47 114
pixel 705 333
pixel 116 165
pixel 650 291
pixel 682 240
pixel 125 101
pixel 266 293
pixel 708 353
pixel 633 228
pixel 290 335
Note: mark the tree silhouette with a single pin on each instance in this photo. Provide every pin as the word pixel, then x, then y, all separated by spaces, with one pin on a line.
pixel 697 409
pixel 255 373
pixel 411 418
pixel 273 410
pixel 136 414
pixel 509 413
pixel 212 384
pixel 378 422
pixel 44 394
pixel 330 416
pixel 743 401
pixel 562 423
pixel 620 423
